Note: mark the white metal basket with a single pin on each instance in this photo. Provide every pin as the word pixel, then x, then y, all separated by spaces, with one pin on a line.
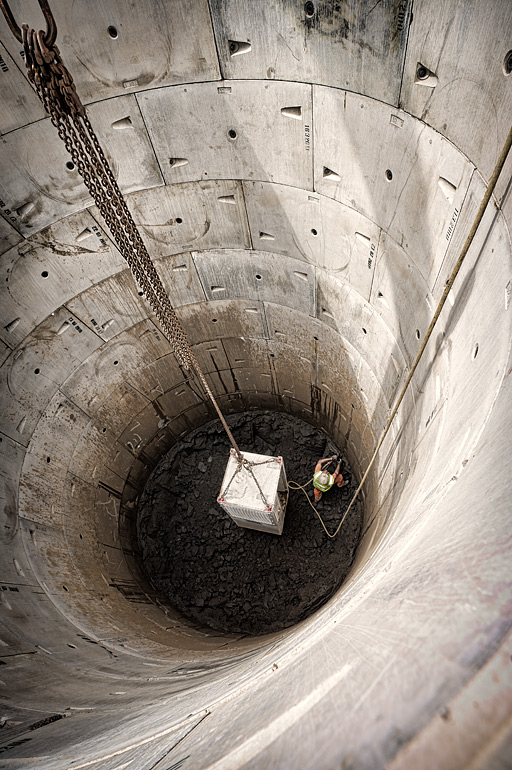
pixel 255 493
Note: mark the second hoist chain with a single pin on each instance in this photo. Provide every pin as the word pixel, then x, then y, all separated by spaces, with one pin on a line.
pixel 57 92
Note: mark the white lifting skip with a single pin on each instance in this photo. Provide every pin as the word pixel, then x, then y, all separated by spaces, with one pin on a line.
pixel 254 491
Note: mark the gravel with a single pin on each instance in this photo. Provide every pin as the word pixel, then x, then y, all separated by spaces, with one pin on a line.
pixel 239 580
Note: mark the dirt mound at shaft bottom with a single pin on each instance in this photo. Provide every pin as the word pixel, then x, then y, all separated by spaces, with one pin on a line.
pixel 239 580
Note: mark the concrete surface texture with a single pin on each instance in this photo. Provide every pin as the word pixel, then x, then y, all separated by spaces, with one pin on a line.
pixel 304 176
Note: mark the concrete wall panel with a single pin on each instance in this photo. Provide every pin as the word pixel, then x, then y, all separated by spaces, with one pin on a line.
pixel 342 309
pixel 45 190
pixel 211 356
pixel 73 253
pixel 110 307
pixel 190 216
pixel 401 297
pixel 218 319
pixel 140 429
pixel 388 174
pixel 235 130
pixel 47 460
pixel 179 399
pixel 106 63
pixel 123 135
pixel 339 45
pixel 443 39
pixel 244 351
pixel 12 455
pixel 32 373
pixel 9 237
pixel 283 327
pixel 316 229
pixel 491 242
pixel 97 457
pixel 20 104
pixel 258 275
pixel 294 373
pixel 118 408
pixel 49 186
pixel 180 278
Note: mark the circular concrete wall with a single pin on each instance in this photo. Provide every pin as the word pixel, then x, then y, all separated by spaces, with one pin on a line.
pixel 305 256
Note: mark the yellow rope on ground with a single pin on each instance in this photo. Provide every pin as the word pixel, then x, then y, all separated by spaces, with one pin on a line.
pixel 295 485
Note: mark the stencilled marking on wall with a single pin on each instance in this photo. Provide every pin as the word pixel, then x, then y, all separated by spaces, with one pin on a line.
pixel 307 137
pixel 7 211
pixel 72 321
pixel 131 591
pixel 402 12
pixel 453 222
pixel 99 235
pixel 3 65
pixel 372 256
pixel 13 745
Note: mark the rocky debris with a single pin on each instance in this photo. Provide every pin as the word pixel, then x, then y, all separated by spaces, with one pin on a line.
pixel 239 580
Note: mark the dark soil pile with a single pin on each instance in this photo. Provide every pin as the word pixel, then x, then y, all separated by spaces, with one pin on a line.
pixel 240 580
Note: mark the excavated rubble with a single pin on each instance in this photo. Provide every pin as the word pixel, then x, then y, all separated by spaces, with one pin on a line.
pixel 239 580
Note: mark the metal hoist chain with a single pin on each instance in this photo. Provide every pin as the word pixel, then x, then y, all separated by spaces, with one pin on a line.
pixel 57 92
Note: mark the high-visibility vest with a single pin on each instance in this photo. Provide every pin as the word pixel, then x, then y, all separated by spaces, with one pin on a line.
pixel 323 487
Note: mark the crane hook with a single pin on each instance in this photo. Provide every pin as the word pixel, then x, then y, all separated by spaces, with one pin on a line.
pixel 51 28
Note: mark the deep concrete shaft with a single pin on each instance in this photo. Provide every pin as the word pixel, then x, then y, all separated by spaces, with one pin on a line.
pixel 304 176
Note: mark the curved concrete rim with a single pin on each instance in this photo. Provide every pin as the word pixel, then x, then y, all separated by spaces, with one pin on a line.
pixel 304 177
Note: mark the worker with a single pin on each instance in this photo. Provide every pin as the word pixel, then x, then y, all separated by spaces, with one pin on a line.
pixel 323 481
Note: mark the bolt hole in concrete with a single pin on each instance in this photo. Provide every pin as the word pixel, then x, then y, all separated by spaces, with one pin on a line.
pixel 179 220
pixel 507 63
pixel 70 165
pixel 309 9
pixel 36 371
pixel 313 231
pixel 232 133
pixel 112 31
pixel 418 334
pixel 45 274
pixel 239 580
pixel 389 175
pixel 258 277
